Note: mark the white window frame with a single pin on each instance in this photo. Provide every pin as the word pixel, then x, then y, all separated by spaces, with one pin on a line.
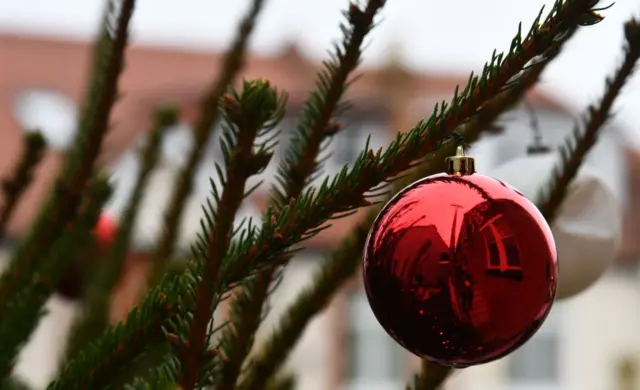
pixel 498 237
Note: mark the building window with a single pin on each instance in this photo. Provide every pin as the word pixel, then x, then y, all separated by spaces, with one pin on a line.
pixel 50 112
pixel 536 365
pixel 502 248
pixel 503 254
pixel 376 361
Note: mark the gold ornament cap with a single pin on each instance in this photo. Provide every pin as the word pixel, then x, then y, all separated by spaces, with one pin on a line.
pixel 460 164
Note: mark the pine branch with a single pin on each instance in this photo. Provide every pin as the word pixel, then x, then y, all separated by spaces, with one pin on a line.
pixel 344 261
pixel 110 356
pixel 294 173
pixel 301 218
pixel 254 111
pixel 27 306
pixel 209 115
pixel 103 279
pixel 62 207
pixel 574 151
pixel 13 188
pixel 304 217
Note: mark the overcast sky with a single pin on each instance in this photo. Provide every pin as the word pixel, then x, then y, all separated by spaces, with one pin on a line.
pixel 451 35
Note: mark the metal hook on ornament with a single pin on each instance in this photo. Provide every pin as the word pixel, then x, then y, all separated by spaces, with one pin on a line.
pixel 460 164
pixel 459 140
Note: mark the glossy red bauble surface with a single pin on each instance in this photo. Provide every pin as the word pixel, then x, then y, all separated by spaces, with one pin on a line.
pixel 106 229
pixel 460 270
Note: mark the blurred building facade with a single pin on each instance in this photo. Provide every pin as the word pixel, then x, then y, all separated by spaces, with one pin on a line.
pixel 584 343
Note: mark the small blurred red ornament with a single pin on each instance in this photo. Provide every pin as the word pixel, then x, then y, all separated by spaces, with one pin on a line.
pixel 106 229
pixel 460 268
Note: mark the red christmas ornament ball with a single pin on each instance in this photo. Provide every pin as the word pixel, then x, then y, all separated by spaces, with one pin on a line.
pixel 106 228
pixel 460 270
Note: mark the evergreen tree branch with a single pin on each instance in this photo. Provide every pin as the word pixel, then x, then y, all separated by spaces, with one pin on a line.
pixel 303 218
pixel 209 114
pixel 14 187
pixel 254 111
pixel 294 173
pixel 110 356
pixel 344 261
pixel 299 219
pixel 27 306
pixel 575 150
pixel 62 207
pixel 108 271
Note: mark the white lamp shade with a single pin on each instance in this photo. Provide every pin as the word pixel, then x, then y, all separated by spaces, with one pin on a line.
pixel 587 227
pixel 51 113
